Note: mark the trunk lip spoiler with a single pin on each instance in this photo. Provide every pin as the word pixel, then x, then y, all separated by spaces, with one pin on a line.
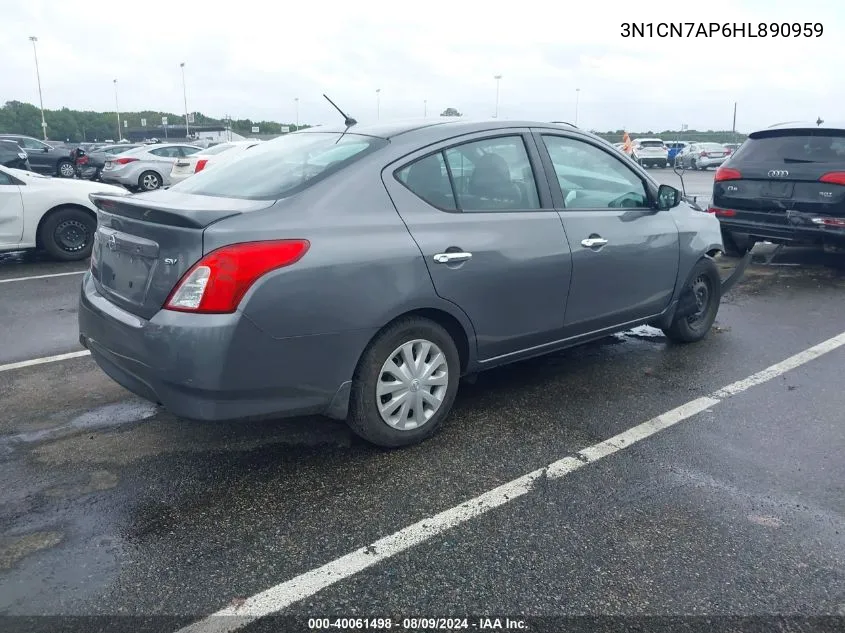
pixel 737 274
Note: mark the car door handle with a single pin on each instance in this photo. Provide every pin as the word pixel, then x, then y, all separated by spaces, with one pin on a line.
pixel 592 242
pixel 451 258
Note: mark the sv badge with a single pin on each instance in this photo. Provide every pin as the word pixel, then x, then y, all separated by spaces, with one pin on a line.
pixel 170 260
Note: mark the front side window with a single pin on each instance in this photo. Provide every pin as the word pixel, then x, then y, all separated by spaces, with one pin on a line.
pixel 283 166
pixel 31 143
pixel 591 178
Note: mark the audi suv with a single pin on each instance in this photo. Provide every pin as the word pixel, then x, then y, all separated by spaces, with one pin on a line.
pixel 785 184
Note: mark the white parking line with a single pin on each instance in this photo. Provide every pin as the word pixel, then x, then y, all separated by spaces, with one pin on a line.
pixel 43 360
pixel 305 585
pixel 75 272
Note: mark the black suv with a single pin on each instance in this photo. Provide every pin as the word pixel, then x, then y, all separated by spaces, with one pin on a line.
pixel 44 158
pixel 11 155
pixel 785 184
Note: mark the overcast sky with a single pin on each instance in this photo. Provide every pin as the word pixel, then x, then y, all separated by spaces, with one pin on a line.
pixel 251 59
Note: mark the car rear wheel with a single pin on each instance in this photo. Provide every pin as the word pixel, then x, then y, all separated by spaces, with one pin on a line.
pixel 65 169
pixel 148 181
pixel 68 233
pixel 705 286
pixel 405 383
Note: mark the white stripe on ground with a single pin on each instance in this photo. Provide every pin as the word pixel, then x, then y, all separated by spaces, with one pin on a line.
pixel 305 585
pixel 44 360
pixel 75 272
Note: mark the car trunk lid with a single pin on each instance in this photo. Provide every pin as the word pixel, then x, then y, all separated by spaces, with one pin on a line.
pixel 146 242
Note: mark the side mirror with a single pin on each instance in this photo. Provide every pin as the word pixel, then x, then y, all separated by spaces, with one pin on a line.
pixel 667 197
pixel 45 149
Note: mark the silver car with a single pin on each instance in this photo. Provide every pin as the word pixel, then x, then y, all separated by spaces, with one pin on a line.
pixel 360 273
pixel 702 155
pixel 145 168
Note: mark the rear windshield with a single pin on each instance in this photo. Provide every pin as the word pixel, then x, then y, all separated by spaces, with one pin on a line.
pixel 805 147
pixel 282 167
pixel 712 147
pixel 651 144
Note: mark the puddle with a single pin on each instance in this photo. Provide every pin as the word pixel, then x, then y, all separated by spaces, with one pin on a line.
pixel 107 416
pixel 641 331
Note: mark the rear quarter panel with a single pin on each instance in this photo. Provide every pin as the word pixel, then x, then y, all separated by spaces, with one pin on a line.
pixel 362 269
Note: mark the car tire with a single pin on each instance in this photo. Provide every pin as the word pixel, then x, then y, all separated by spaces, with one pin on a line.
pixel 706 285
pixel 65 169
pixel 371 415
pixel 149 181
pixel 67 234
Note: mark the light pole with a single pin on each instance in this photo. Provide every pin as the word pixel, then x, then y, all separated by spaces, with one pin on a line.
pixel 498 78
pixel 378 103
pixel 425 108
pixel 117 110
pixel 577 93
pixel 185 97
pixel 34 39
pixel 296 101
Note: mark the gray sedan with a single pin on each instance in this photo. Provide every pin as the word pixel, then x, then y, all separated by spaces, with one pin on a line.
pixel 360 273
pixel 145 168
pixel 702 156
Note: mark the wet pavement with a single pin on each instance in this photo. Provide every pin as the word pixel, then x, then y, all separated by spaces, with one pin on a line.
pixel 112 506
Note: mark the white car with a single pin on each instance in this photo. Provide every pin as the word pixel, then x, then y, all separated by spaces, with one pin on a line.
pixel 650 152
pixel 51 213
pixel 188 166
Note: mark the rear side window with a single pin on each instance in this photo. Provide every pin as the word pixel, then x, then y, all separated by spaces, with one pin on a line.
pixel 429 180
pixel 493 174
pixel 283 166
pixel 5 179
pixel 811 146
pixel 166 152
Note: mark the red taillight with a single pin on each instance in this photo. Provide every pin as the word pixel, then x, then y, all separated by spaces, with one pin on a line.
pixel 124 161
pixel 218 281
pixel 726 173
pixel 837 222
pixel 728 151
pixel 834 178
pixel 82 160
pixel 721 213
pixel 703 153
pixel 200 164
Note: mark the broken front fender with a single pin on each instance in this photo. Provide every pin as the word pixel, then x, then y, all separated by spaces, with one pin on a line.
pixel 737 273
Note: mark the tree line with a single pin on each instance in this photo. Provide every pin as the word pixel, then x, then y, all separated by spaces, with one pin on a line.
pixel 79 126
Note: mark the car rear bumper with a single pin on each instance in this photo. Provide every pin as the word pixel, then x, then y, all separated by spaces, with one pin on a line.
pixel 218 366
pixel 710 162
pixel 175 178
pixel 119 177
pixel 787 234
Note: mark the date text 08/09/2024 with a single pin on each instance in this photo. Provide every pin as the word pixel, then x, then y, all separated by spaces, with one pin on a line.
pixel 723 29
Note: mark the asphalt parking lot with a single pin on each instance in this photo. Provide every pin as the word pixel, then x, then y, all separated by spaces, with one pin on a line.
pixel 721 491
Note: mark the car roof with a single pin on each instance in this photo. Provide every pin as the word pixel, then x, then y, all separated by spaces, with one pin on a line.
pixel 434 130
pixel 804 125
